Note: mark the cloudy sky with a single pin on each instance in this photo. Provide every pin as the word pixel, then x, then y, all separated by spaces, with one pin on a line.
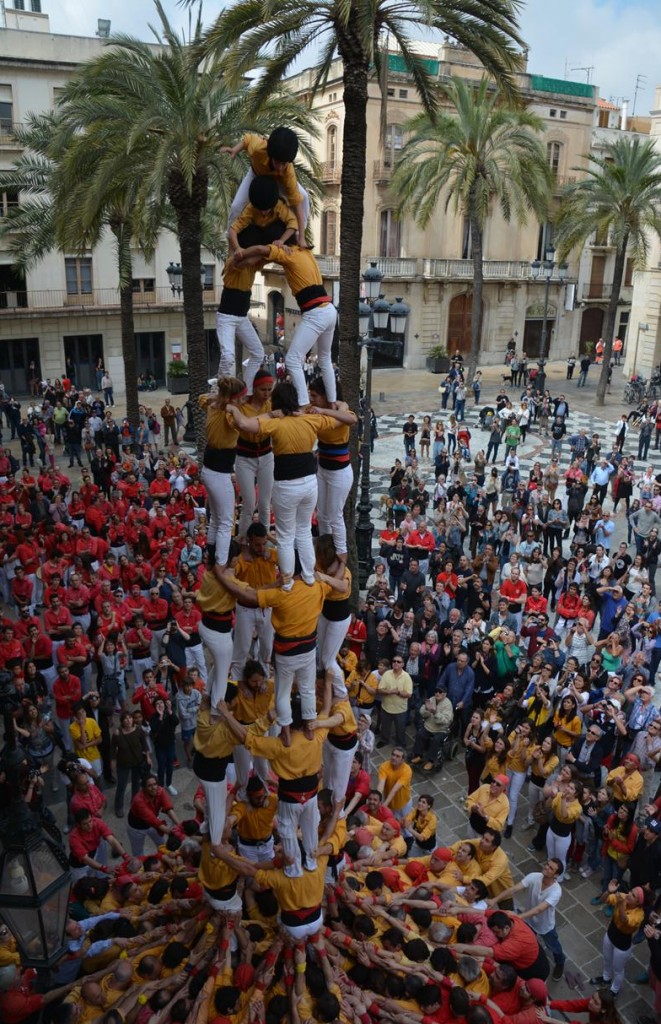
pixel 620 39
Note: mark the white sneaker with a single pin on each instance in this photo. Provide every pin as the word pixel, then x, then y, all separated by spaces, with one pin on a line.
pixel 587 871
pixel 173 791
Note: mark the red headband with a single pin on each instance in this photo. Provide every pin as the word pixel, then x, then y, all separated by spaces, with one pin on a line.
pixel 262 377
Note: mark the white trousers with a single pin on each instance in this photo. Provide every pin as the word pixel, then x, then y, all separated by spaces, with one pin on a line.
pixel 242 198
pixel 517 780
pixel 256 854
pixel 291 817
pixel 316 327
pixel 243 761
pixel 293 503
pixel 248 622
pixel 221 511
pixel 330 637
pixel 229 327
pixel 156 644
pixel 615 962
pixel 231 906
pixel 301 931
pixel 333 488
pixel 215 794
pixel 195 659
pixel 219 646
pixel 557 846
pixel 255 480
pixel 302 670
pixel 337 769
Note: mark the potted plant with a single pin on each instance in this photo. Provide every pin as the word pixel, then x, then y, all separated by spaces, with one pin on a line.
pixel 438 360
pixel 177 378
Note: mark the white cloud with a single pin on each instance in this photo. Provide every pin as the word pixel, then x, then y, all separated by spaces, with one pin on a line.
pixel 620 38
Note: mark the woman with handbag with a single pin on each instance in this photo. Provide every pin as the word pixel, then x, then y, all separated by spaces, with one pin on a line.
pixel 131 752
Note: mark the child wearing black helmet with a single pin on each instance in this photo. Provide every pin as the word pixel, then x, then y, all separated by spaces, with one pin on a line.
pixel 273 156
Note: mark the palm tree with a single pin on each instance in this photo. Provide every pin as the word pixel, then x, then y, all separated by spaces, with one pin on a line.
pixel 620 199
pixel 55 176
pixel 166 112
pixel 272 36
pixel 485 152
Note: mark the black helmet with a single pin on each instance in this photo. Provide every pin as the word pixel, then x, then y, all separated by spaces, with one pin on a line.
pixel 282 145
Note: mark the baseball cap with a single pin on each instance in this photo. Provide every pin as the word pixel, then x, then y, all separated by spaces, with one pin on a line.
pixel 654 825
pixel 537 989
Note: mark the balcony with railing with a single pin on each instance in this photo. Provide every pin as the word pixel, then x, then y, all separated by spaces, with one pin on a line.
pixel 560 180
pixel 431 269
pixel 382 172
pixel 8 138
pixel 596 291
pixel 59 300
pixel 331 173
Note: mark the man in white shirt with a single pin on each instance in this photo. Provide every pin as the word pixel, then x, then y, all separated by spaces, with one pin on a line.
pixel 542 895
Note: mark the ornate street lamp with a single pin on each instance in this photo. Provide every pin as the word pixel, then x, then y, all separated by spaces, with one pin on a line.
pixel 546 269
pixel 35 879
pixel 373 316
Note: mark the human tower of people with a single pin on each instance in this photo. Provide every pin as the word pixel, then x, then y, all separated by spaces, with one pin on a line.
pixel 302 889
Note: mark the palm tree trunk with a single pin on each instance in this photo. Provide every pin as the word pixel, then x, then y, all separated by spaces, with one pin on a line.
pixel 188 208
pixel 611 314
pixel 477 312
pixel 127 326
pixel 354 150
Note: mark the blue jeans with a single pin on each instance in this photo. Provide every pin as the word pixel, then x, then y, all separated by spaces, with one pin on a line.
pixel 552 943
pixel 459 408
pixel 610 871
pixel 165 758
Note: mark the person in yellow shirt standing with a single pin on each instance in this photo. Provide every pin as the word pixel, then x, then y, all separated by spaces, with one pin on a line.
pixel 85 736
pixel 335 474
pixel 254 459
pixel 626 781
pixel 628 916
pixel 213 743
pixel 395 687
pixel 253 699
pixel 218 460
pixel 257 566
pixel 217 604
pixel 335 614
pixel 394 783
pixel 318 314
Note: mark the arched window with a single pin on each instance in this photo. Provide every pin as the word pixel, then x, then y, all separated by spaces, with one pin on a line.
pixel 392 144
pixel 331 146
pixel 553 156
pixel 390 238
pixel 329 232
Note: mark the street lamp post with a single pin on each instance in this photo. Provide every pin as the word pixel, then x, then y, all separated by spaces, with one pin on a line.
pixel 373 316
pixel 547 269
pixel 175 278
pixel 35 879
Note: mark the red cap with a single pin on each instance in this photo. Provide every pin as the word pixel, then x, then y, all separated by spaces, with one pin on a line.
pixel 632 759
pixel 391 879
pixel 537 989
pixel 442 853
pixel 416 871
pixel 503 779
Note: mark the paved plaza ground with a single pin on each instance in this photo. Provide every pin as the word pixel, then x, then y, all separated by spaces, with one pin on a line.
pixel 396 393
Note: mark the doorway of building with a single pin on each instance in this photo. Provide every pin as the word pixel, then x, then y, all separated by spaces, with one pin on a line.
pixel 15 358
pixel 592 323
pixel 150 354
pixel 460 319
pixel 275 323
pixel 81 353
pixel 533 329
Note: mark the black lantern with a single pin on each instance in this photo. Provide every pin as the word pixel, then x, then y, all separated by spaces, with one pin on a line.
pixel 35 879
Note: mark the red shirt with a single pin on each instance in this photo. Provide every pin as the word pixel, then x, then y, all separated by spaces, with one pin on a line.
pixel 55 620
pixel 520 948
pixel 190 621
pixel 139 642
pixel 93 800
pixel 84 844
pixel 66 654
pixel 357 633
pixel 28 556
pixel 147 809
pixel 66 693
pixel 512 590
pixel 40 650
pixel 156 613
pixel 22 590
pixel 146 698
pixel 417 540
pixel 78 600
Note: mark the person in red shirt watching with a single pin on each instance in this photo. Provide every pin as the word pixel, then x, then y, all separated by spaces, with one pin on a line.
pixel 359 786
pixel 356 634
pixel 144 817
pixel 72 653
pixel 157 613
pixel 138 641
pixel 11 649
pixel 17 1002
pixel 147 694
pixel 77 598
pixel 67 691
pixel 88 490
pixel 423 543
pixel 87 795
pixel 133 604
pixel 87 845
pixel 38 647
pixel 536 604
pixel 109 620
pixel 569 608
pixel 160 486
pixel 24 622
pixel 188 621
pixel 22 590
pixel 57 621
pixel 374 807
pixel 516 592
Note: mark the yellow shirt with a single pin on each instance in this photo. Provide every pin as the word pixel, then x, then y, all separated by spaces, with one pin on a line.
pixel 403 773
pixel 255 147
pixel 214 873
pixel 626 919
pixel 221 432
pixel 424 824
pixel 251 409
pixel 338 836
pixel 92 732
pixel 572 813
pixel 251 215
pixel 626 788
pixel 301 893
pixel 574 726
pixel 302 758
pixel 356 688
pixel 492 767
pixel 497 807
pixel 212 737
pixel 494 867
pixel 516 757
pixel 239 278
pixel 255 822
pixel 339 434
pixel 257 572
pixel 247 708
pixel 296 611
pixel 391 703
pixel 300 267
pixel 213 597
pixel 348 725
pixel 293 435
